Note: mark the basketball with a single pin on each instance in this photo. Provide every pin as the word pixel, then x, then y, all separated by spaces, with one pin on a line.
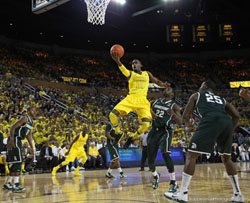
pixel 117 49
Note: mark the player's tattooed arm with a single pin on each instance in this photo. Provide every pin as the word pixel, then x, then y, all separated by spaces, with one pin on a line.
pixel 157 81
pixel 188 112
pixel 175 112
pixel 22 121
pixel 231 111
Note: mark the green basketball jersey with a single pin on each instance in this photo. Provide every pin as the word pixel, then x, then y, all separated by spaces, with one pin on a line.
pixel 111 130
pixel 208 104
pixel 22 131
pixel 163 119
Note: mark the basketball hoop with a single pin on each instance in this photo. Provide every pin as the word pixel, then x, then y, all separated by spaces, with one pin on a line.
pixel 96 11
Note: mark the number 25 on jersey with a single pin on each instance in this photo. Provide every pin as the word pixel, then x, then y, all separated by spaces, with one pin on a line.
pixel 213 98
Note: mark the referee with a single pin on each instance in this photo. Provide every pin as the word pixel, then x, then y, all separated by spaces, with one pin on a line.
pixel 143 147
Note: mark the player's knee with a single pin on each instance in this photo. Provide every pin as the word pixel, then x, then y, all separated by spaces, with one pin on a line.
pixel 166 157
pixel 225 158
pixel 192 156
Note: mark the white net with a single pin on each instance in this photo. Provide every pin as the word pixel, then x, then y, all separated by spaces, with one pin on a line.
pixel 97 11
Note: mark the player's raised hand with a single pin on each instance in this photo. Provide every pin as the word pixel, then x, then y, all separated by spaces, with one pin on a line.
pixel 166 84
pixel 243 92
pixel 115 57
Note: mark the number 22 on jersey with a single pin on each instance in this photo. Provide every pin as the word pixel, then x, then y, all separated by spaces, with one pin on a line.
pixel 159 113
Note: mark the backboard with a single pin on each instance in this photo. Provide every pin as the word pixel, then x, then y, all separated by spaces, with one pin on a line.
pixel 41 6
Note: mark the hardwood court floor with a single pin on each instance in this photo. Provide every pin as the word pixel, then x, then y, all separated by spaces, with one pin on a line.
pixel 209 184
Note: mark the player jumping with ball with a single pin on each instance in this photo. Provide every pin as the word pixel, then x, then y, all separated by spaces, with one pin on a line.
pixel 136 100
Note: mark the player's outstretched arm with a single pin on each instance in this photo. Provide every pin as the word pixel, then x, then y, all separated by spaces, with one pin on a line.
pixel 231 110
pixel 188 111
pixel 122 68
pixel 19 123
pixel 157 81
pixel 244 93
pixel 176 113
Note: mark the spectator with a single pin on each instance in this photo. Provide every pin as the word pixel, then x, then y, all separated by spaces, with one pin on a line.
pixel 235 138
pixel 243 153
pixel 134 144
pixel 28 159
pixel 58 155
pixel 241 139
pixel 46 158
pixel 99 145
pixel 95 156
pixel 235 152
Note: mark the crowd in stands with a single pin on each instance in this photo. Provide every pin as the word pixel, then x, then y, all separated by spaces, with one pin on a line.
pixel 184 73
pixel 55 127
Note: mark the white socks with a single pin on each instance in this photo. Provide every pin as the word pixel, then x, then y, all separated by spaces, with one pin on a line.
pixel 172 176
pixel 235 183
pixel 9 179
pixel 110 170
pixel 154 173
pixel 185 182
pixel 16 179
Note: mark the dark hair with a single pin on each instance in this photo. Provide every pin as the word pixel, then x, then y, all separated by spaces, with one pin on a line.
pixel 210 84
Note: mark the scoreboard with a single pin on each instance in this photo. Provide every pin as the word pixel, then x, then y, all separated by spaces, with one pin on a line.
pixel 175 33
pixel 226 32
pixel 201 33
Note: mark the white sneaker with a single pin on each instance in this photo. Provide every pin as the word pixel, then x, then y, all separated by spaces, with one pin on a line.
pixel 82 169
pixel 178 197
pixel 238 198
pixel 73 168
pixel 67 168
